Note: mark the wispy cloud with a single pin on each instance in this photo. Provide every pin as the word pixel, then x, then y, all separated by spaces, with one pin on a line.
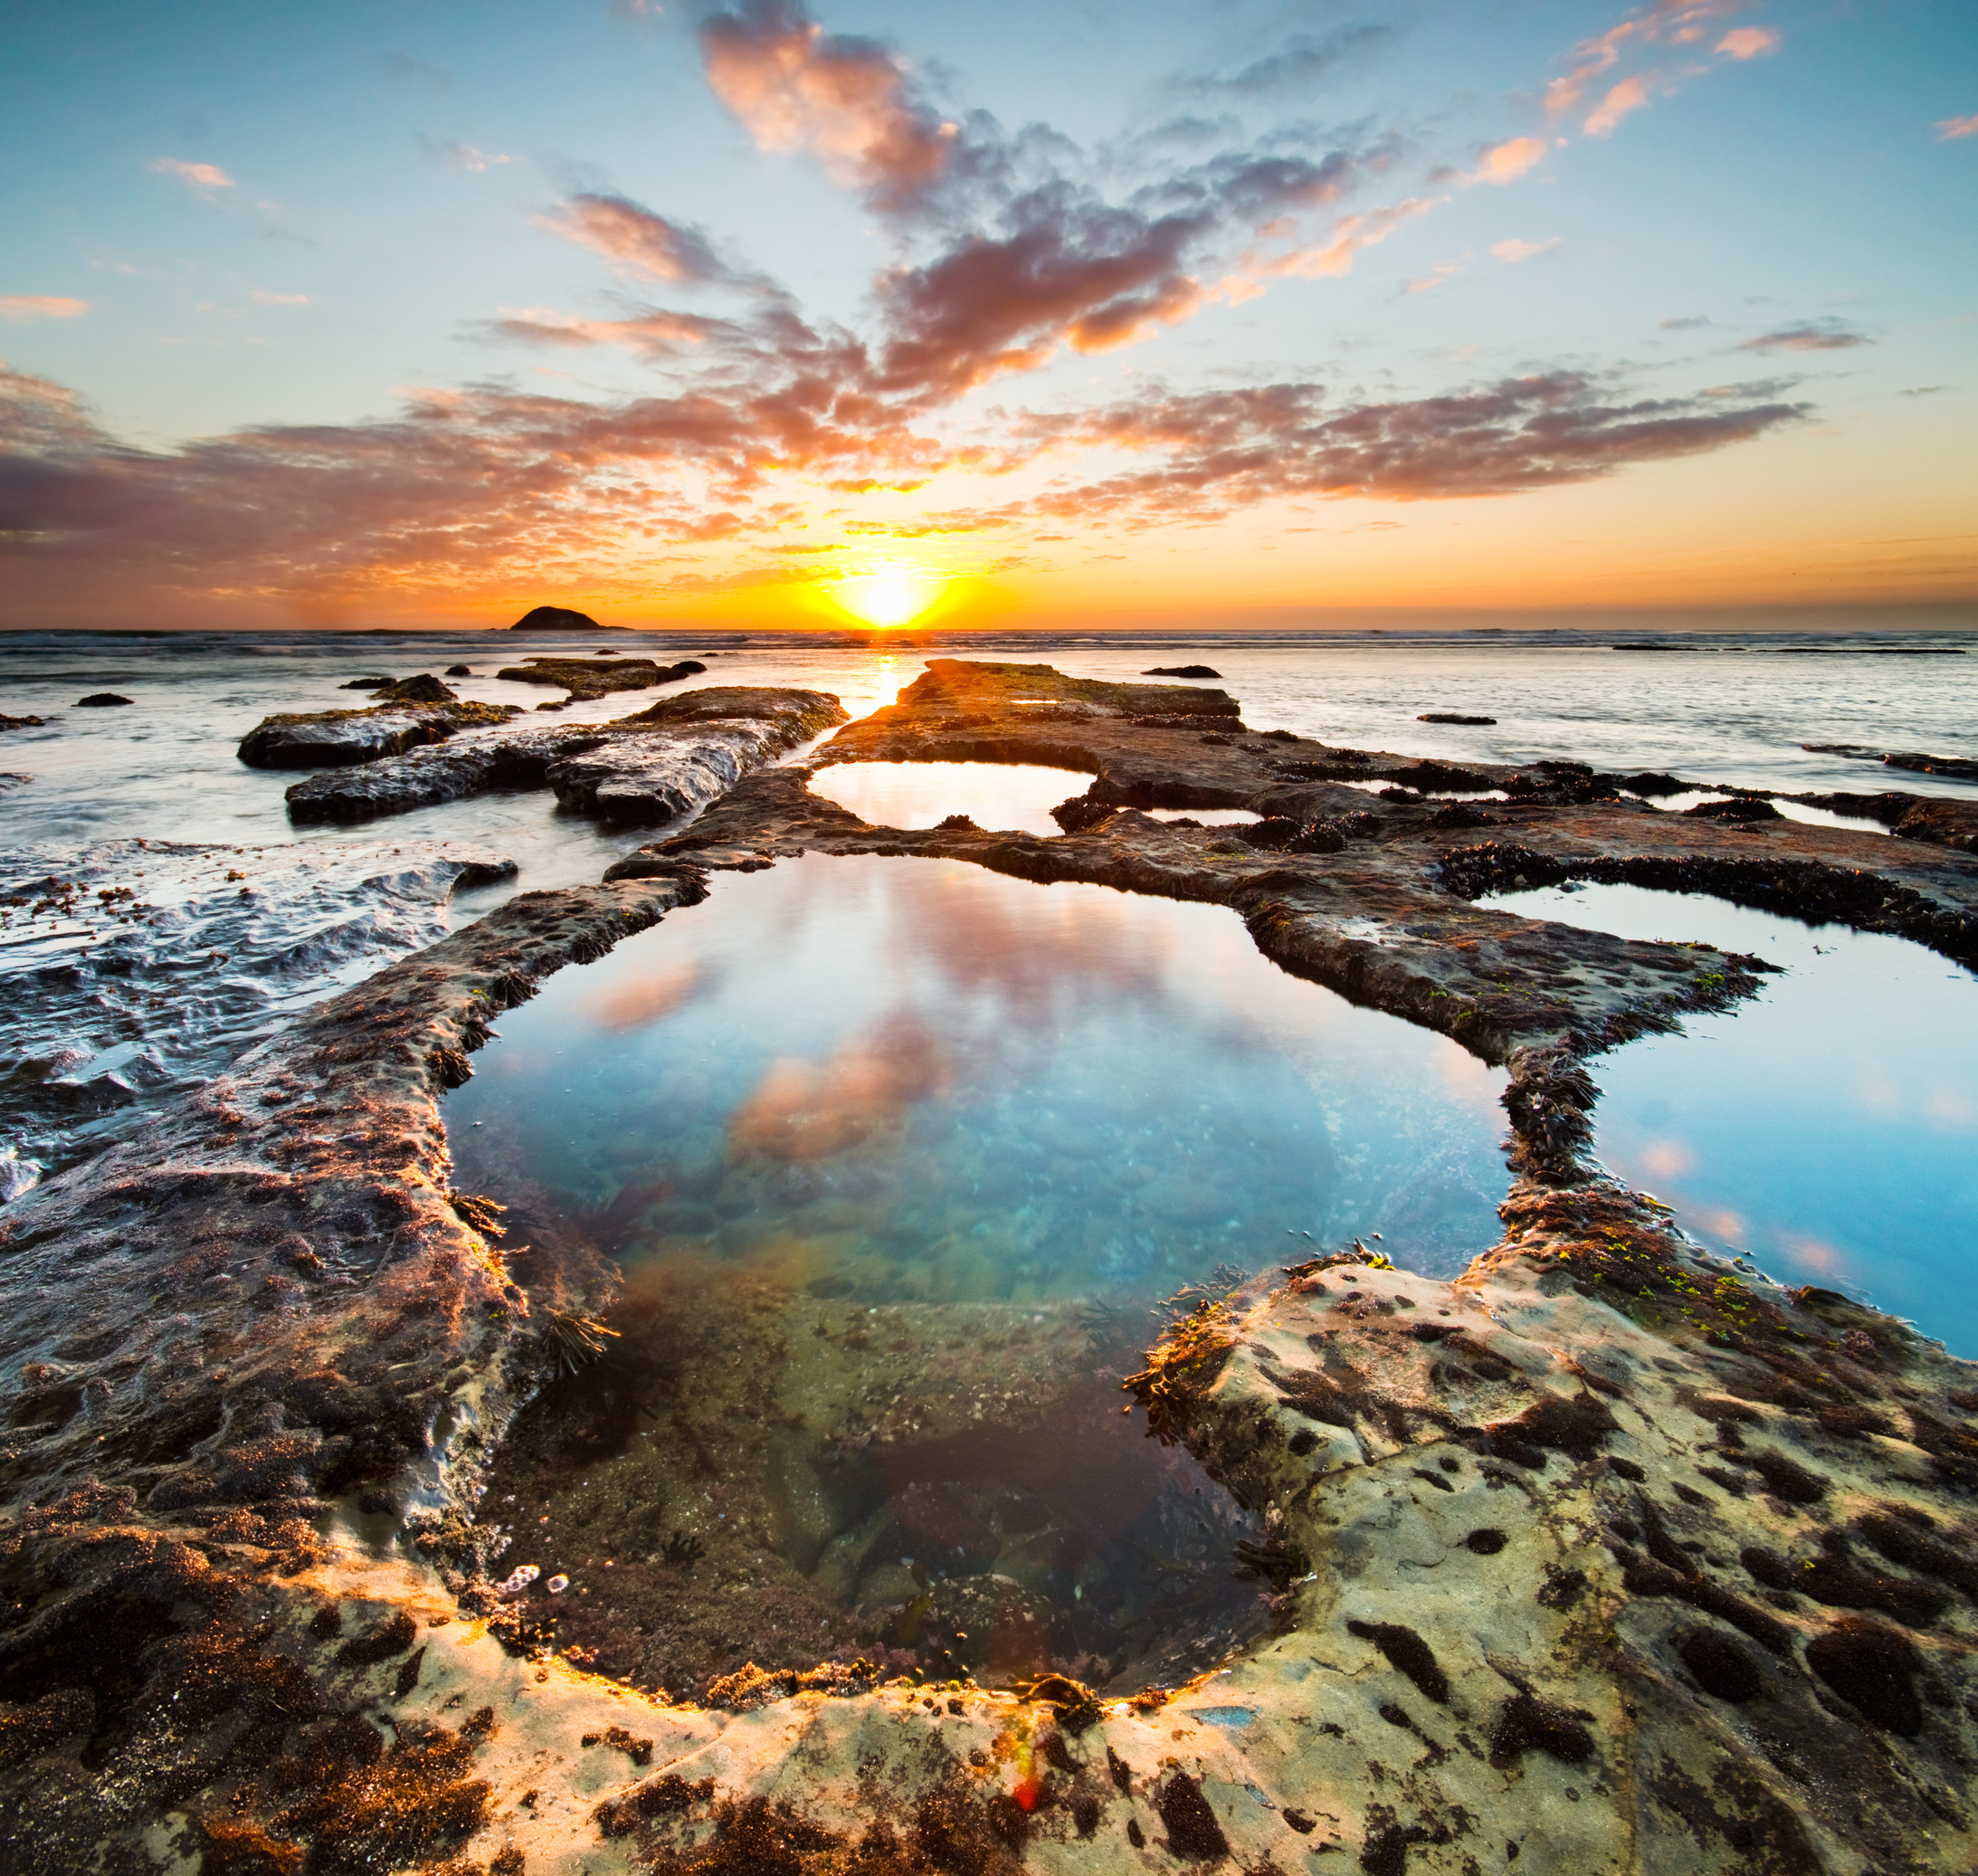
pixel 1689 323
pixel 1822 334
pixel 196 175
pixel 1949 130
pixel 25 308
pixel 634 239
pixel 403 69
pixel 463 156
pixel 650 333
pixel 1513 251
pixel 1298 64
pixel 261 297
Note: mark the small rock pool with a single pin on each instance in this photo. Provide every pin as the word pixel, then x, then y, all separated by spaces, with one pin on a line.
pixel 1827 1128
pixel 898 1158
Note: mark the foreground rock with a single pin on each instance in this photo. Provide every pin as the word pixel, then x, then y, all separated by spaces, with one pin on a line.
pixel 1608 1552
pixel 339 739
pixel 647 769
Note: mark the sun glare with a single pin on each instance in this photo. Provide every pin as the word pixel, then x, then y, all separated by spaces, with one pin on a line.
pixel 889 596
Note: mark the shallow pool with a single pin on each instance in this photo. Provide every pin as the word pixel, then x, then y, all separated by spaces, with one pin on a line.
pixel 1000 796
pixel 897 1157
pixel 1828 1128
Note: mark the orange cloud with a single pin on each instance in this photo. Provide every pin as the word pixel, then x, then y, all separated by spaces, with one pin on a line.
pixel 1508 161
pixel 634 238
pixel 1742 43
pixel 1665 22
pixel 844 99
pixel 1626 98
pixel 1949 130
pixel 25 309
pixel 197 175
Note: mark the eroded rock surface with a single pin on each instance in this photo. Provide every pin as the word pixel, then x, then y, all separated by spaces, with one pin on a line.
pixel 598 676
pixel 335 738
pixel 651 767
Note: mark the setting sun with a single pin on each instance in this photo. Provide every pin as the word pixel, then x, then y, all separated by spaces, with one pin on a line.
pixel 892 594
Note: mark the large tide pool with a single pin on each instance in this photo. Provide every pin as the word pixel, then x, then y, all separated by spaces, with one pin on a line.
pixel 899 1158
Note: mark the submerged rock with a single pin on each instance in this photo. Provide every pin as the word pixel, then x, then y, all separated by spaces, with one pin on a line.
pixel 1453 717
pixel 1182 670
pixel 338 738
pixel 100 699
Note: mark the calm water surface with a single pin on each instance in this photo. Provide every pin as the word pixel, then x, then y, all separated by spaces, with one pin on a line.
pixel 1828 1128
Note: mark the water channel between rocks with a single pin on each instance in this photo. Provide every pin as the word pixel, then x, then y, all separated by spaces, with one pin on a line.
pixel 897 1157
pixel 1829 1127
pixel 1001 796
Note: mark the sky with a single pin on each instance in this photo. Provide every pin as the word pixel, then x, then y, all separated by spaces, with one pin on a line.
pixel 1229 311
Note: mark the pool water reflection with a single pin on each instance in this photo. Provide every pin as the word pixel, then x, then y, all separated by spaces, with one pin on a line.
pixel 896 1156
pixel 1001 796
pixel 1828 1128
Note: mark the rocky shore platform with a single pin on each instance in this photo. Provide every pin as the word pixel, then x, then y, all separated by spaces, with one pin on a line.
pixel 1605 1556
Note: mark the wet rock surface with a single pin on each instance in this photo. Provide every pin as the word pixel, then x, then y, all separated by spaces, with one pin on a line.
pixel 335 739
pixel 650 766
pixel 599 676
pixel 133 970
pixel 1604 1556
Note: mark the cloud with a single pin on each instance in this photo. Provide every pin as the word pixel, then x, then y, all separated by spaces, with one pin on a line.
pixel 1440 275
pixel 403 69
pixel 25 308
pixel 1629 96
pixel 1949 130
pixel 472 492
pixel 261 297
pixel 1225 450
pixel 197 175
pixel 651 333
pixel 1664 22
pixel 1924 390
pixel 1297 65
pixel 1823 335
pixel 1686 324
pixel 1742 43
pixel 1513 251
pixel 1068 271
pixel 464 155
pixel 1345 240
pixel 634 239
pixel 1508 161
pixel 846 100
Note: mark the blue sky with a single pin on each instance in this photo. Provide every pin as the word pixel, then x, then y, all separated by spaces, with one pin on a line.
pixel 229 225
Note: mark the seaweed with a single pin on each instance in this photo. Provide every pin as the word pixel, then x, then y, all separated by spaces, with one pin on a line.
pixel 1526 1723
pixel 1719 1666
pixel 1407 1653
pixel 1873 1669
pixel 1193 1831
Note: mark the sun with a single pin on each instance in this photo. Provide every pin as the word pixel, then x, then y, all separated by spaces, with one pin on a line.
pixel 894 594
